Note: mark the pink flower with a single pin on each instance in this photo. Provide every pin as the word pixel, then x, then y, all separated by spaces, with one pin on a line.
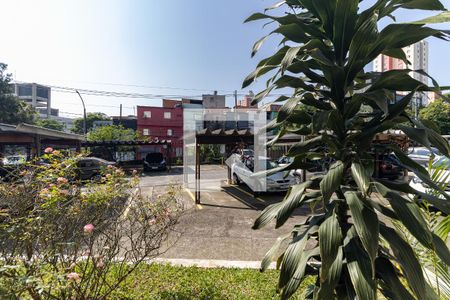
pixel 135 172
pixel 109 167
pixel 64 192
pixel 48 150
pixel 88 228
pixel 62 180
pixel 73 276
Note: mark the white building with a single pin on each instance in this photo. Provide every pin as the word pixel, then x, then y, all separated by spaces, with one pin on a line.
pixel 38 96
pixel 417 55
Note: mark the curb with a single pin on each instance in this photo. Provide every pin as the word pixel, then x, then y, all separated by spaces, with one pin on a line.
pixel 211 263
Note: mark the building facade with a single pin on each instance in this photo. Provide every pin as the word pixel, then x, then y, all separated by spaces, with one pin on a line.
pixel 38 96
pixel 162 123
pixel 417 55
pixel 213 101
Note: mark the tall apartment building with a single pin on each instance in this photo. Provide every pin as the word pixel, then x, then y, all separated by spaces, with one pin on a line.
pixel 417 55
pixel 38 96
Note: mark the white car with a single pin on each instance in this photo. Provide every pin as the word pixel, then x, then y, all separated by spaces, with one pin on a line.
pixel 422 155
pixel 443 177
pixel 242 172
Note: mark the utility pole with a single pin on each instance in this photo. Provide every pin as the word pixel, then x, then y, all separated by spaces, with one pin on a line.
pixel 120 116
pixel 84 113
pixel 235 108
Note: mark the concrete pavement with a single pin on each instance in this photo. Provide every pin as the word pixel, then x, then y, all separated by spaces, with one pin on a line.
pixel 220 228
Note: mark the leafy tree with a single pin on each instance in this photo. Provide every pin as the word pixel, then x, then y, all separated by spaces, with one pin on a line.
pixel 112 133
pixel 12 109
pixel 90 119
pixel 439 113
pixel 50 124
pixel 325 46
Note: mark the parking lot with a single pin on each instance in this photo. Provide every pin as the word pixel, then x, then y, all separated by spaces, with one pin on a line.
pixel 220 227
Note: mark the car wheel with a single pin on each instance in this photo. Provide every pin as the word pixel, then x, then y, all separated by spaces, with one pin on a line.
pixel 96 178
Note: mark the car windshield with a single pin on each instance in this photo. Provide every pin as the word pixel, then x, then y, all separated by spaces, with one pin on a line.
pixel 247 152
pixel 271 165
pixel 443 162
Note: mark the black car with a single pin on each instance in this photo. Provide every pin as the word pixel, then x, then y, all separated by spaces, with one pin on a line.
pixel 155 161
pixel 91 167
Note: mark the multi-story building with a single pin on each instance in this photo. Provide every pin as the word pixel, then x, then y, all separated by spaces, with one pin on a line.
pixel 38 96
pixel 213 101
pixel 417 55
pixel 162 123
pixel 247 101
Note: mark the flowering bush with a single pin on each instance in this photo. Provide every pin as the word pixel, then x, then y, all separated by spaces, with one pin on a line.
pixel 64 238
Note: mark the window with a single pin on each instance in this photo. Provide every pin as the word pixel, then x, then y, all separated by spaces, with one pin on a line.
pixel 42 92
pixel 167 115
pixel 147 114
pixel 146 131
pixel 25 90
pixel 169 132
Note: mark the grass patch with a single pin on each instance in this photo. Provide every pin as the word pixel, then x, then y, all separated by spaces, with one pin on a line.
pixel 158 281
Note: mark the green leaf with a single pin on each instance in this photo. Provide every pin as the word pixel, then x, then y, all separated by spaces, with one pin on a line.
pixel 441 204
pixel 330 239
pixel 409 214
pixel 270 255
pixel 268 214
pixel 299 274
pixel 290 56
pixel 344 26
pixel 293 32
pixel 423 4
pixel 302 147
pixel 441 249
pixel 332 180
pixel 361 175
pixel 258 44
pixel 293 199
pixel 407 259
pixel 293 255
pixel 416 134
pixel 394 289
pixel 334 274
pixel 366 225
pixel 358 265
pixel 440 18
pixel 287 109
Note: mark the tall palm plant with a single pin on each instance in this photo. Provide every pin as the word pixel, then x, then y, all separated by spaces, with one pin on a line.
pixel 325 46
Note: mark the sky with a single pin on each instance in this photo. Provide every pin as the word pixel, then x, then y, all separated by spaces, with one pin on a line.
pixel 162 48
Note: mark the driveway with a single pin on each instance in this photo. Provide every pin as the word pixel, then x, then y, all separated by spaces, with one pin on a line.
pixel 220 228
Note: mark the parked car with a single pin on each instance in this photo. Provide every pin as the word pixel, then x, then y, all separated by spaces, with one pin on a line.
pixel 91 167
pixel 155 161
pixel 422 155
pixel 242 171
pixel 14 160
pixel 245 152
pixel 389 167
pixel 318 165
pixel 443 176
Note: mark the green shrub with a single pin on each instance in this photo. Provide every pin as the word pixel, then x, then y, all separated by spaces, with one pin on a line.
pixel 62 238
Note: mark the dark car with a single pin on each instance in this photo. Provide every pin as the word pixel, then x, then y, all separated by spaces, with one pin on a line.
pixel 91 167
pixel 389 167
pixel 155 161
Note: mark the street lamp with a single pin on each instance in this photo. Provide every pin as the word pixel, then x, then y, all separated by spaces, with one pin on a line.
pixel 84 112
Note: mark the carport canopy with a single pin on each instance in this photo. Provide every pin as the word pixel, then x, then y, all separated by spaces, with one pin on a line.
pixel 233 136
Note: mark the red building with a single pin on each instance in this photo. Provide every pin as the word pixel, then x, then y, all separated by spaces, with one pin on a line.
pixel 163 123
